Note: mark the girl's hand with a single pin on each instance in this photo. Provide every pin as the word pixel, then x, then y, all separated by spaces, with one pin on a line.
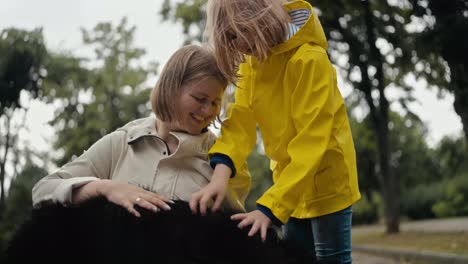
pixel 215 190
pixel 258 221
pixel 123 194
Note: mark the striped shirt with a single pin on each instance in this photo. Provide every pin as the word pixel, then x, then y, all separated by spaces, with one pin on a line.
pixel 299 17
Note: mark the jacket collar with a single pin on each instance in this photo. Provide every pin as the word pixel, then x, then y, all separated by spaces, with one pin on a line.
pixel 140 128
pixel 145 127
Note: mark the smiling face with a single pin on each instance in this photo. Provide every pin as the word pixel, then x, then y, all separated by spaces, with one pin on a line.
pixel 187 96
pixel 198 105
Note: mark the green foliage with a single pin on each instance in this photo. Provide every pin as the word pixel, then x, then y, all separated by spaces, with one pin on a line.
pixel 95 101
pixel 441 49
pixel 442 39
pixel 369 44
pixel 455 200
pixel 190 14
pixel 366 156
pixel 259 167
pixel 365 212
pixel 19 201
pixel 435 185
pixel 452 156
pixel 66 77
pixel 413 161
pixel 410 156
pixel 23 56
pixel 22 65
pixel 417 202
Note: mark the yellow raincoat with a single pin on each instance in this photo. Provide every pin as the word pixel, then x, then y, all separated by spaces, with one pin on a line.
pixel 294 99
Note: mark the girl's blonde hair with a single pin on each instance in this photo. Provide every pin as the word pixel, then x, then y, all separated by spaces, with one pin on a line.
pixel 189 63
pixel 265 19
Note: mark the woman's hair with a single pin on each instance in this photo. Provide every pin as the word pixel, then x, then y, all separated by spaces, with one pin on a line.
pixel 189 63
pixel 265 19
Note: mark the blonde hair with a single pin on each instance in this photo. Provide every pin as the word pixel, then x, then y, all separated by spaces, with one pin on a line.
pixel 189 63
pixel 266 19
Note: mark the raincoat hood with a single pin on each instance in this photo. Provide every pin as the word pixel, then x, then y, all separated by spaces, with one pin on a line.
pixel 311 32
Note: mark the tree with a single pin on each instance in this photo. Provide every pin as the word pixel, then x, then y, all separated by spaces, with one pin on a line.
pixel 21 69
pixel 452 156
pixel 190 13
pixel 96 100
pixel 441 46
pixel 371 46
pixel 411 159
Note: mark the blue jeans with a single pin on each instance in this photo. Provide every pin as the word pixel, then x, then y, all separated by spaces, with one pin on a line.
pixel 327 237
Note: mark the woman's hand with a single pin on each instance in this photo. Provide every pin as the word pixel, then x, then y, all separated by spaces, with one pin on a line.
pixel 215 190
pixel 123 194
pixel 258 221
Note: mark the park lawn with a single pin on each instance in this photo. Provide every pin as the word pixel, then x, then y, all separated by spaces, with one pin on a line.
pixel 454 243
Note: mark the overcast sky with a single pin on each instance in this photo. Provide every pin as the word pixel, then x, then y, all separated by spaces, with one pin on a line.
pixel 61 21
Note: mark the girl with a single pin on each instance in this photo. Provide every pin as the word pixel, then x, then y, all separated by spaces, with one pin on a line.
pixel 151 161
pixel 287 87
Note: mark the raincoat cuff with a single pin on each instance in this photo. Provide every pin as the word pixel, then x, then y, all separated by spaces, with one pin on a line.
pixel 223 159
pixel 266 211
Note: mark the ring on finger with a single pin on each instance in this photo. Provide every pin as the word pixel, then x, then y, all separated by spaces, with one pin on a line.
pixel 137 199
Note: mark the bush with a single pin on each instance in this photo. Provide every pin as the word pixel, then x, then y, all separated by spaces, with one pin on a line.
pixel 364 212
pixel 417 203
pixel 455 200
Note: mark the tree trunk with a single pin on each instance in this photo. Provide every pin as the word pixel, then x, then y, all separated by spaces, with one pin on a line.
pixel 380 115
pixel 390 183
pixel 3 162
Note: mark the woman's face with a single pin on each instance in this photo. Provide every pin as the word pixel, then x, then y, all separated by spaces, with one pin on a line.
pixel 198 105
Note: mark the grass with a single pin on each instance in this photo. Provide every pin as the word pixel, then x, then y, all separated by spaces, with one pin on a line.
pixel 442 242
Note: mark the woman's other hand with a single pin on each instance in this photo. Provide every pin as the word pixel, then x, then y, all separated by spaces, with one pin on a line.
pixel 123 194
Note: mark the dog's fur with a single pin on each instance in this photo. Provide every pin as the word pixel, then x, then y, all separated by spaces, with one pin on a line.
pixel 101 232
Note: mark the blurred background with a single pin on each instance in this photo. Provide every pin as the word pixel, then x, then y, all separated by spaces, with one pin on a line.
pixel 73 71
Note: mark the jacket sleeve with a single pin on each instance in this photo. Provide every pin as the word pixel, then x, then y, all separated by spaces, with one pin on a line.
pixel 93 164
pixel 239 186
pixel 238 132
pixel 312 79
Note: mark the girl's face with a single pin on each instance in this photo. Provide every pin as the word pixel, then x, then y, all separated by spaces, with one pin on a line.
pixel 198 105
pixel 240 43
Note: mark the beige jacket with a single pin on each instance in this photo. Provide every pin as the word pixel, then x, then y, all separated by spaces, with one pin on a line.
pixel 135 154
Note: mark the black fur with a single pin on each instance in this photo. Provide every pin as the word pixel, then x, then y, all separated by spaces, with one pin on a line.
pixel 101 232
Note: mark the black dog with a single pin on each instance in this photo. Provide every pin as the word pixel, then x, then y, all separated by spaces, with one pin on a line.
pixel 101 232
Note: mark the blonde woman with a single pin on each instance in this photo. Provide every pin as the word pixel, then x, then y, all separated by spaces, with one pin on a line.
pixel 152 161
